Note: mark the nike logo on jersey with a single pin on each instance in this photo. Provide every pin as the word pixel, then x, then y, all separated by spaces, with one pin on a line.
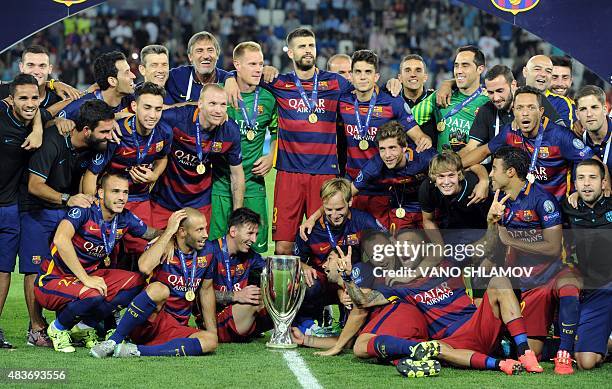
pixel 324 248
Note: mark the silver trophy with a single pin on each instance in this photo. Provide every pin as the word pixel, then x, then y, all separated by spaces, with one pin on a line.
pixel 283 291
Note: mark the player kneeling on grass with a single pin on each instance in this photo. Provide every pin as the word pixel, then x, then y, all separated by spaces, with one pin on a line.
pixel 70 282
pixel 236 280
pixel 157 319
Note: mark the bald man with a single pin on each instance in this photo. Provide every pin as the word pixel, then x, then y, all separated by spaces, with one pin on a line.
pixel 341 64
pixel 538 73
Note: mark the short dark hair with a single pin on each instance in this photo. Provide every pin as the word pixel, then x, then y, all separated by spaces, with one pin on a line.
pixel 34 49
pixel 22 79
pixel 299 32
pixel 149 88
pixel 591 90
pixel 562 60
pixel 367 56
pixel 530 90
pixel 93 112
pixel 242 216
pixel 392 129
pixel 479 57
pixel 109 174
pixel 152 49
pixel 105 66
pixel 515 158
pixel 414 57
pixel 592 162
pixel 500 70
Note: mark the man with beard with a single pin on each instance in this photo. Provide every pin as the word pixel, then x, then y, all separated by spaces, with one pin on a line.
pixel 185 82
pixel 55 172
pixel 70 281
pixel 116 82
pixel 157 318
pixel 592 248
pixel 561 80
pixel 16 131
pixel 142 153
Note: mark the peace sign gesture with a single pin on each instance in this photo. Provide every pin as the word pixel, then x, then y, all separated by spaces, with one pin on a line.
pixel 496 212
pixel 344 260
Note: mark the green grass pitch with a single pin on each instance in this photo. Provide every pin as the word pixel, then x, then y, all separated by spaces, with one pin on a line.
pixel 245 365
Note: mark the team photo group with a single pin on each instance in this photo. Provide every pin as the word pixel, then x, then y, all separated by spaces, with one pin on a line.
pixel 145 213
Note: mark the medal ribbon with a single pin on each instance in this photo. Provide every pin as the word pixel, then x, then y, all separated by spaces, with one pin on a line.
pixel 189 281
pixel 251 122
pixel 312 102
pixel 609 140
pixel 360 128
pixel 203 158
pixel 332 240
pixel 226 261
pixel 461 105
pixel 536 148
pixel 140 156
pixel 109 242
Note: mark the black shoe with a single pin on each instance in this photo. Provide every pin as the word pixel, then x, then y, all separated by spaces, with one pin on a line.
pixel 3 342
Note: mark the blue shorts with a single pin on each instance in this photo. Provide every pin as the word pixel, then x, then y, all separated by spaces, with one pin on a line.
pixel 595 322
pixel 37 231
pixel 9 237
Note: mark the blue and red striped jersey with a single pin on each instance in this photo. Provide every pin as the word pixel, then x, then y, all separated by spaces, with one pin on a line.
pixel 71 111
pixel 183 85
pixel 305 147
pixel 239 266
pixel 125 155
pixel 403 183
pixel 180 185
pixel 170 273
pixel 387 108
pixel 558 150
pixel 532 211
pixel 315 250
pixel 444 303
pixel 87 240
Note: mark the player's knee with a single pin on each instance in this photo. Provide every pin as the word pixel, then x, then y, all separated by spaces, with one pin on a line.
pixel 158 292
pixel 360 348
pixel 283 248
pixel 500 284
pixel 208 341
pixel 588 361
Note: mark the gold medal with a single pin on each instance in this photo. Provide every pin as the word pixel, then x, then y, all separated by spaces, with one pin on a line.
pixel 201 169
pixel 531 178
pixel 363 145
pixel 400 213
pixel 250 135
pixel 107 261
pixel 312 118
pixel 189 295
pixel 441 126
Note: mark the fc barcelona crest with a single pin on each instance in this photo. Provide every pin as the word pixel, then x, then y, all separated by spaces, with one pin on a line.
pixel 68 3
pixel 515 6
pixel 217 147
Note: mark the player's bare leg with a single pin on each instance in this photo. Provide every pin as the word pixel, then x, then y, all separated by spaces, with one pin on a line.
pixel 5 283
pixel 244 316
pixel 208 341
pixel 283 247
pixel 36 335
pixel 360 348
pixel 588 361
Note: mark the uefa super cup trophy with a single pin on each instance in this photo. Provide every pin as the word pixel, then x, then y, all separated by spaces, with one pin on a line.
pixel 283 291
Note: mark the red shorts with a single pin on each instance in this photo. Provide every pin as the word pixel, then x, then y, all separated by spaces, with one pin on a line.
pixel 142 209
pixel 480 333
pixel 160 215
pixel 160 329
pixel 400 319
pixel 377 206
pixel 55 293
pixel 412 220
pixel 295 194
pixel 226 327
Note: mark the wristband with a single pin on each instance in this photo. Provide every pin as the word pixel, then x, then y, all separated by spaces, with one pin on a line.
pixel 346 277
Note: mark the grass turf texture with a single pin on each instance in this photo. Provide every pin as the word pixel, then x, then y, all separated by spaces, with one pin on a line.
pixel 248 365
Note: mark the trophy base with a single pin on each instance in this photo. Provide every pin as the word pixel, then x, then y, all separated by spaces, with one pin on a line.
pixel 281 345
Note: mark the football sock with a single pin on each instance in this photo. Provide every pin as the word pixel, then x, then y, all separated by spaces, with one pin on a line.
pixel 136 314
pixel 74 310
pixel 181 347
pixel 517 330
pixel 390 347
pixel 483 362
pixel 569 307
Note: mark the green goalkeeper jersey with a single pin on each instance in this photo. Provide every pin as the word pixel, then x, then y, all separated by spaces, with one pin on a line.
pixel 252 150
pixel 456 133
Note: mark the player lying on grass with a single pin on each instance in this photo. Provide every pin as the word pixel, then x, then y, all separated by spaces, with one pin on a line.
pixel 157 318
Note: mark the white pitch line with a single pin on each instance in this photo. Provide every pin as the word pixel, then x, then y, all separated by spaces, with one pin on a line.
pixel 300 370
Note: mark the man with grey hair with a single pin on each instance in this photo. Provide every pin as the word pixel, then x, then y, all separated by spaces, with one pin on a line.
pixel 341 64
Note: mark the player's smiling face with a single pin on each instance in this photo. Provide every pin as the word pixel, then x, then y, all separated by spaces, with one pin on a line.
pixel 527 113
pixel 336 209
pixel 114 194
pixel 330 267
pixel 213 108
pixel 364 76
pixel 125 78
pixel 500 92
pixel 499 176
pixel 249 67
pixel 25 102
pixel 589 183
pixel 245 235
pixel 448 182
pixel 149 110
pixel 155 68
pixel 538 72
pixel 591 113
pixel 195 232
pixel 561 80
pixel 203 57
pixel 413 74
pixel 465 70
pixel 303 52
pixel 391 152
pixel 36 64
